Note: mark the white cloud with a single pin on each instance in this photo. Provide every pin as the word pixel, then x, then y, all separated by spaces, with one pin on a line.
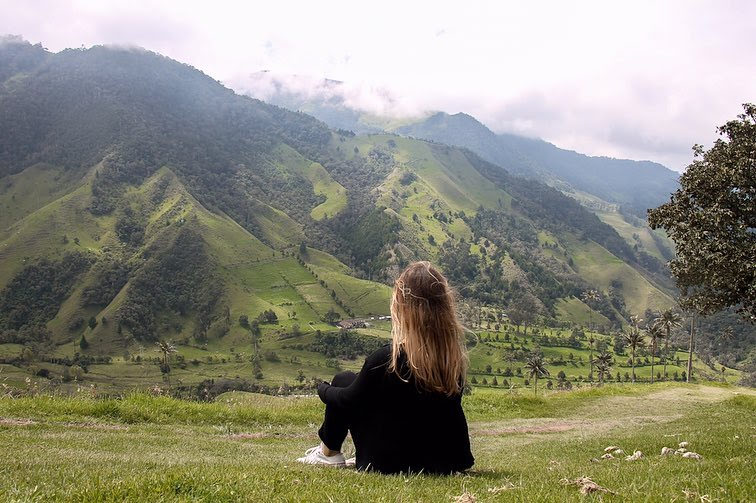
pixel 637 79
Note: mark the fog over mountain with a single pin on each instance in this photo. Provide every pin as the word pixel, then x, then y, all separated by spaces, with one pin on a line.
pixel 635 80
pixel 630 185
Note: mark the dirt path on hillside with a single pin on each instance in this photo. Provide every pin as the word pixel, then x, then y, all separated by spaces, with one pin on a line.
pixel 605 414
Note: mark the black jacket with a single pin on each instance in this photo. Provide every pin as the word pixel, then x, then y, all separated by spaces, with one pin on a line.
pixel 395 426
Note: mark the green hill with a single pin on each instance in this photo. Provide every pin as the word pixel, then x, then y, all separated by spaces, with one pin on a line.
pixel 144 201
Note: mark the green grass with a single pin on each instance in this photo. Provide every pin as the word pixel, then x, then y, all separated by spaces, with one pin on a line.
pixel 595 264
pixel 241 448
pixel 573 310
pixel 636 235
pixel 231 359
pixel 256 277
pixel 322 183
pixel 33 188
pixel 449 175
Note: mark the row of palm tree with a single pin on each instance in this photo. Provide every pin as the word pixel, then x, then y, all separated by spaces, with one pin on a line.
pixel 664 324
pixel 536 367
pixel 659 328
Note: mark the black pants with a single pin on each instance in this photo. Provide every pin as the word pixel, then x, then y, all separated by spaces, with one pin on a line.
pixel 338 421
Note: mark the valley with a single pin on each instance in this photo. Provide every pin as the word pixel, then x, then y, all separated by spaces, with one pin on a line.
pixel 240 232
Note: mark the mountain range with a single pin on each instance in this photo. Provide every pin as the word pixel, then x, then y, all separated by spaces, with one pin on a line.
pixel 143 200
pixel 599 182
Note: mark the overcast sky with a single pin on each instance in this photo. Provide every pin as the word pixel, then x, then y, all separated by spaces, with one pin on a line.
pixel 635 79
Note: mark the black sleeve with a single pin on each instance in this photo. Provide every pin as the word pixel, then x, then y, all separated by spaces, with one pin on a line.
pixel 363 385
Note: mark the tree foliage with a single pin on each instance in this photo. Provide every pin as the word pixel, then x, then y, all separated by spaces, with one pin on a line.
pixel 345 344
pixel 178 277
pixel 712 220
pixel 35 294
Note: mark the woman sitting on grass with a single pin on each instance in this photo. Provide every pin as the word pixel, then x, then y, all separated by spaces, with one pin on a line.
pixel 404 408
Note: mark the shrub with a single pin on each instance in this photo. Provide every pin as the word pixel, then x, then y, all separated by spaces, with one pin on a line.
pixel 271 356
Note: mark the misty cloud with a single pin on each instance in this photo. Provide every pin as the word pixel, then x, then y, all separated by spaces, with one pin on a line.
pixel 360 97
pixel 636 79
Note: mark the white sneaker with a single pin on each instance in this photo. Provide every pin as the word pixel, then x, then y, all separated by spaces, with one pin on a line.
pixel 315 456
pixel 351 462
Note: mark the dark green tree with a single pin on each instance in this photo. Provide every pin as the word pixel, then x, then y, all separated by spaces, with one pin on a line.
pixel 523 310
pixel 331 316
pixel 711 218
pixel 256 332
pixel 619 343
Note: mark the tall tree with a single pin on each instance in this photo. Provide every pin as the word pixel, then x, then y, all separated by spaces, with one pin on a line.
pixel 603 365
pixel 255 331
pixel 536 368
pixel 668 320
pixel 167 348
pixel 523 310
pixel 690 348
pixel 634 339
pixel 590 296
pixel 711 218
pixel 591 341
pixel 655 333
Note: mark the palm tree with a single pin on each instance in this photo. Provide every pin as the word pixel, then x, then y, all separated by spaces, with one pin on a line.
pixel 634 339
pixel 690 348
pixel 668 320
pixel 587 297
pixel 590 296
pixel 591 340
pixel 655 332
pixel 536 368
pixel 604 365
pixel 167 348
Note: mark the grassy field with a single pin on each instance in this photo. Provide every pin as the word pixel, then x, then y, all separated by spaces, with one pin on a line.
pixel 639 234
pixel 322 183
pixel 492 351
pixel 601 268
pixel 576 311
pixel 242 448
pixel 231 357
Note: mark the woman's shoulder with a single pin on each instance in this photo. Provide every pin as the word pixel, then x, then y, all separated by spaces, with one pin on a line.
pixel 379 357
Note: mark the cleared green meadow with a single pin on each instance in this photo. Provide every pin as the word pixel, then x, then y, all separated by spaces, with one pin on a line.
pixel 242 448
pixel 231 358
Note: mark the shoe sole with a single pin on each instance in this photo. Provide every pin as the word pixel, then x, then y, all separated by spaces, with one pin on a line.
pixel 340 465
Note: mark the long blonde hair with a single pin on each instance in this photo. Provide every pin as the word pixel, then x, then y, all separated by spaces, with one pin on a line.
pixel 425 327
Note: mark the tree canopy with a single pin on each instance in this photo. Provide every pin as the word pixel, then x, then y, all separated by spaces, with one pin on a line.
pixel 712 220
